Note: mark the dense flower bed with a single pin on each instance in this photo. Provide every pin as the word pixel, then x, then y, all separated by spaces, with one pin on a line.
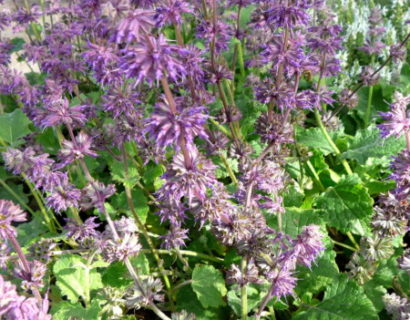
pixel 239 159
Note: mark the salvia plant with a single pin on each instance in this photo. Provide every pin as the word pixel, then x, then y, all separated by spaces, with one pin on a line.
pixel 203 159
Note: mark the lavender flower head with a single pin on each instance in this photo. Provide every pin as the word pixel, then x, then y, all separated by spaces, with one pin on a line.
pixel 397 121
pixel 135 26
pixel 168 128
pixel 78 149
pixel 9 213
pixel 171 11
pixel 151 60
pixel 82 231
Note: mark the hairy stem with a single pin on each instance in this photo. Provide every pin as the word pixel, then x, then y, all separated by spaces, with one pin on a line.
pixel 25 263
pixel 330 141
pixel 244 292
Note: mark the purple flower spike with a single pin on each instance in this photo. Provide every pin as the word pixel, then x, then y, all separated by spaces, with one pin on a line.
pixel 167 128
pixel 9 213
pixel 151 60
pixel 135 26
pixel 71 151
pixel 83 231
pixel 397 121
pixel 171 12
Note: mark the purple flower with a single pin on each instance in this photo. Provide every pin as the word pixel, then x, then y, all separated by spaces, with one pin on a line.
pixel 283 283
pixel 135 26
pixel 95 194
pixel 63 198
pixel 82 231
pixel 401 174
pixel 28 309
pixel 168 128
pixel 309 244
pixel 171 11
pixel 288 57
pixel 59 112
pixel 126 247
pixel 9 213
pixel 143 3
pixel 281 16
pixel 396 121
pixel 151 60
pixel 78 149
pixel 175 238
pixel 398 53
pixel 372 47
pixel 104 62
pixel 190 183
pixel 121 101
pixel 242 3
pixel 34 278
pixel 221 33
pixel 8 296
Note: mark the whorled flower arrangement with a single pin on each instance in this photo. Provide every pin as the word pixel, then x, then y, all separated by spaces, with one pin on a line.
pixel 158 97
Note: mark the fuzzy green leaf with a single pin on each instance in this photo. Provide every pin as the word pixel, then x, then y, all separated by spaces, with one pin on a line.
pixel 343 299
pixel 314 138
pixel 209 286
pixel 345 204
pixel 65 310
pixel 76 278
pixel 369 144
pixel 14 126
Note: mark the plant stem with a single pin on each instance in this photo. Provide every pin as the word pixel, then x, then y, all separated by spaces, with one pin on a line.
pixel 341 244
pixel 369 107
pixel 352 239
pixel 114 232
pixel 141 226
pixel 228 168
pixel 25 263
pixel 40 202
pixel 18 198
pixel 244 293
pixel 315 175
pixel 330 141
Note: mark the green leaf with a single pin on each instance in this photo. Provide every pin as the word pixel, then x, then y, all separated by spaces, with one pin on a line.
pixel 30 232
pixel 187 300
pixel 343 299
pixel 323 272
pixel 117 275
pixel 209 286
pixel 17 43
pixel 118 173
pixel 314 138
pixel 140 203
pixel 65 310
pixel 345 204
pixel 369 144
pixel 295 219
pixel 14 126
pixel 76 278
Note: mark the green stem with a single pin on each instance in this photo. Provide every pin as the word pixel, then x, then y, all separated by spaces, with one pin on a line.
pixel 229 169
pixel 330 141
pixel 220 127
pixel 315 175
pixel 18 198
pixel 39 199
pixel 240 58
pixel 341 244
pixel 353 240
pixel 369 107
pixel 244 293
pixel 141 226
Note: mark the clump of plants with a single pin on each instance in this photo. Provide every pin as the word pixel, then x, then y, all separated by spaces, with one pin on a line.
pixel 239 159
